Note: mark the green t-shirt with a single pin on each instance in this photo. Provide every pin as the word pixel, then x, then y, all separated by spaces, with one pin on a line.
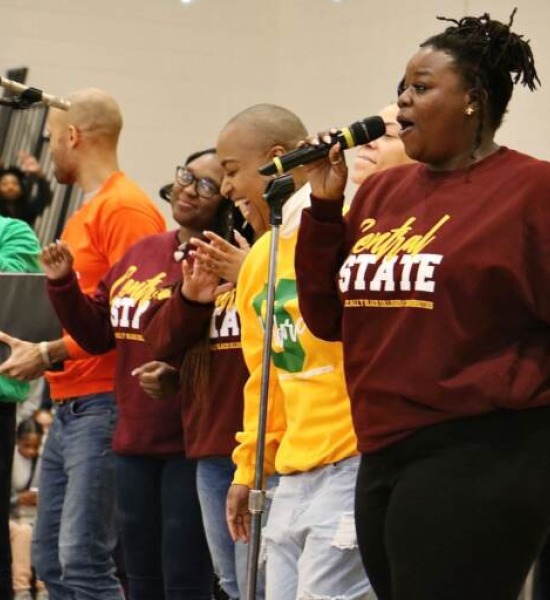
pixel 19 249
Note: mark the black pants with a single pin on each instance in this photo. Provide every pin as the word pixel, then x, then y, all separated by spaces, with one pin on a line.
pixel 458 510
pixel 7 444
pixel 541 582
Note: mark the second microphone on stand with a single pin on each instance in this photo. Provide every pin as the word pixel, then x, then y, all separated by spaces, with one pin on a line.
pixel 357 134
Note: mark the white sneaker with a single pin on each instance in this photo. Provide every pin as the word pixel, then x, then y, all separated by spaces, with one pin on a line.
pixel 42 595
pixel 22 595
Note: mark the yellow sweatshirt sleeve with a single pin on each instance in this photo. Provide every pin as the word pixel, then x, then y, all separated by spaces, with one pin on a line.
pixel 244 455
pixel 252 337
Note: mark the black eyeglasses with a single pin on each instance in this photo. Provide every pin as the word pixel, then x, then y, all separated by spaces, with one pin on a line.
pixel 206 188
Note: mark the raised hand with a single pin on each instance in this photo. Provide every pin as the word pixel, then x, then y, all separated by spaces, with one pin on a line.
pixel 328 175
pixel 220 256
pixel 200 282
pixel 57 260
pixel 29 164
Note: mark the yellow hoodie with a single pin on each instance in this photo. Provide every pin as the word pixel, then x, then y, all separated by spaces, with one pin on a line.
pixel 309 420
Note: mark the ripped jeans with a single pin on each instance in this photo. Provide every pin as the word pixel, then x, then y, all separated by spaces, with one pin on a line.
pixel 310 540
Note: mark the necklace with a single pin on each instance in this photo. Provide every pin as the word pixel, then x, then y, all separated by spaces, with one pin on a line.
pixel 181 252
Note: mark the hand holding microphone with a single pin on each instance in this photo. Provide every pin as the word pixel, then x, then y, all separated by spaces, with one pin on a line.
pixel 327 177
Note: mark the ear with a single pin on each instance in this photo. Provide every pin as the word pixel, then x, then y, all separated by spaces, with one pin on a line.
pixel 74 136
pixel 276 150
pixel 476 100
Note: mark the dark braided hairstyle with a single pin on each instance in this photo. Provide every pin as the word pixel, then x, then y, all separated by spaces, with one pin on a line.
pixel 491 59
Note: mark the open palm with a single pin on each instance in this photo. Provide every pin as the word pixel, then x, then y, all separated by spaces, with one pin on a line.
pixel 57 260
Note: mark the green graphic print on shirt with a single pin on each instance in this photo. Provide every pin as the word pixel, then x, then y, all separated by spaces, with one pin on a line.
pixel 285 333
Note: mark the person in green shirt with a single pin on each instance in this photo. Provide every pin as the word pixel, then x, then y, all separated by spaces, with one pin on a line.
pixel 19 249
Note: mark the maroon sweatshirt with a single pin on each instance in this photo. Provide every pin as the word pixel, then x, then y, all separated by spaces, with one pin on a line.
pixel 112 317
pixel 438 285
pixel 210 425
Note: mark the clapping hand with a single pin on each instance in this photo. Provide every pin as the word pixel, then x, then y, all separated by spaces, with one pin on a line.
pixel 25 362
pixel 200 282
pixel 222 257
pixel 57 260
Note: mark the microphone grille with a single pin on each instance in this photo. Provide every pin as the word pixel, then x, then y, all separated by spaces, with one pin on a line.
pixel 367 130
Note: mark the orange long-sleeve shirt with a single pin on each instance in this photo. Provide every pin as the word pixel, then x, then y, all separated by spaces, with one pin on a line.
pixel 98 234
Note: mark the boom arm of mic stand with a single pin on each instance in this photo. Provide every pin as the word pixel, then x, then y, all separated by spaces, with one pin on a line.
pixel 17 102
pixel 27 98
pixel 277 192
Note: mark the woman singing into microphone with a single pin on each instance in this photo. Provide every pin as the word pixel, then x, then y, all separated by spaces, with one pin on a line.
pixel 438 284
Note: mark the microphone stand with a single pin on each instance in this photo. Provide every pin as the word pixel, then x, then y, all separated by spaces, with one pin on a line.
pixel 26 99
pixel 277 192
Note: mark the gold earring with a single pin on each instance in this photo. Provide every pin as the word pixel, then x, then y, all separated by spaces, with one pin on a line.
pixel 469 111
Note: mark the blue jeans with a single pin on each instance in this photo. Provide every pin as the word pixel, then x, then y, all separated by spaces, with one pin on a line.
pixel 214 476
pixel 163 541
pixel 75 532
pixel 310 538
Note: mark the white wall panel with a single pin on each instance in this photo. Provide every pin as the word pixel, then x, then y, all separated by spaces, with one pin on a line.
pixel 180 71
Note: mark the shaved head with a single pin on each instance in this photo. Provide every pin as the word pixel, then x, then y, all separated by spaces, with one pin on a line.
pixel 93 112
pixel 250 139
pixel 83 139
pixel 271 125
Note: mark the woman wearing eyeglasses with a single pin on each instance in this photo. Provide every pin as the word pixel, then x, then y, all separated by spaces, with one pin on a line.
pixel 163 539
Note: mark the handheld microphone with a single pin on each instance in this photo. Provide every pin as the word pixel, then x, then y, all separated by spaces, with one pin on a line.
pixel 361 132
pixel 31 95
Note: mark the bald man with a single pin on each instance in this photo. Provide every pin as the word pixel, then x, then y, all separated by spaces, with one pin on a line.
pixel 75 533
pixel 310 541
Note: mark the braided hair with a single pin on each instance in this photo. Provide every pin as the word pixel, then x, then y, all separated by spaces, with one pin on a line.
pixel 491 59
